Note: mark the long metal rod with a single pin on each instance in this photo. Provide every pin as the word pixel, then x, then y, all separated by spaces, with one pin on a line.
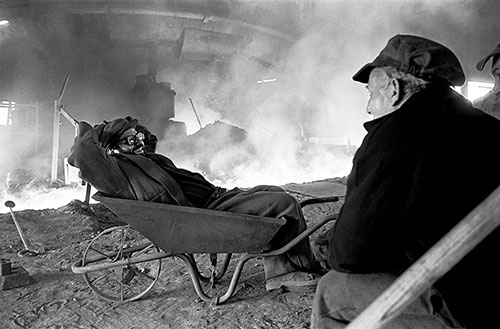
pixel 63 87
pixel 55 142
pixel 20 231
pixel 28 251
pixel 438 260
pixel 195 113
pixel 68 116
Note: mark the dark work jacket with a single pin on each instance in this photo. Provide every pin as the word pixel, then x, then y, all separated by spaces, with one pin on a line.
pixel 150 177
pixel 418 172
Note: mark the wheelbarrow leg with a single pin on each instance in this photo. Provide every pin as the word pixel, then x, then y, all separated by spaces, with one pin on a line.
pixel 195 278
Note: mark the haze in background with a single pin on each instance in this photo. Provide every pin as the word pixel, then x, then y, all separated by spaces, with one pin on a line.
pixel 313 101
pixel 306 121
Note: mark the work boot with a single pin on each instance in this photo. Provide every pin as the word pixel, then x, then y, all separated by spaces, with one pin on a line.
pixel 294 281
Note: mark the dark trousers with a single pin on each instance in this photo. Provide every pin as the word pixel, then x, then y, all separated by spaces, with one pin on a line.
pixel 274 202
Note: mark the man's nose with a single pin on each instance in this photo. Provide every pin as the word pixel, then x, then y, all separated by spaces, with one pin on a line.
pixel 495 72
pixel 495 67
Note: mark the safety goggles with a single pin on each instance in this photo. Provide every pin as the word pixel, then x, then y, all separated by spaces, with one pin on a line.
pixel 133 139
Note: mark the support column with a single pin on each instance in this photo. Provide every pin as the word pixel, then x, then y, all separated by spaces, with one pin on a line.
pixel 55 141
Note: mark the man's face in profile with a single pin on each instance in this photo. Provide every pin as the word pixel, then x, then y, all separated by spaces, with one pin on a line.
pixel 379 94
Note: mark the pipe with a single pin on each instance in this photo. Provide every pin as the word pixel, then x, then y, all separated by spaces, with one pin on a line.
pixel 111 7
pixel 195 113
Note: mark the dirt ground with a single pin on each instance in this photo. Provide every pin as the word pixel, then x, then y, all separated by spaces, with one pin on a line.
pixel 58 298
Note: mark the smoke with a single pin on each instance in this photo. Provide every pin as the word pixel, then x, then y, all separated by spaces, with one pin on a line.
pixel 36 196
pixel 307 95
pixel 278 108
pixel 297 102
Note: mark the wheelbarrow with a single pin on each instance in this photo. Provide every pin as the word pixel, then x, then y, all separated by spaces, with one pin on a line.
pixel 123 263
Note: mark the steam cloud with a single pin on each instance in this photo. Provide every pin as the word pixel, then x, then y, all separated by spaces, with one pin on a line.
pixel 314 93
pixel 292 122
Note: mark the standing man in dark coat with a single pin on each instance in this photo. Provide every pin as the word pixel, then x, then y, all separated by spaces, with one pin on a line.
pixel 429 158
pixel 114 158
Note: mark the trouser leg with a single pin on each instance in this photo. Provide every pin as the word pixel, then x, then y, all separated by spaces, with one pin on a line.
pixel 340 297
pixel 274 202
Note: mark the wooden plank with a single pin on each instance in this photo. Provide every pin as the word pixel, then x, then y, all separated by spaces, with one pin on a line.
pixel 181 229
pixel 438 260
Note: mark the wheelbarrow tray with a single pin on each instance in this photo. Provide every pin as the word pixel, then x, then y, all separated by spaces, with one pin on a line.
pixel 180 229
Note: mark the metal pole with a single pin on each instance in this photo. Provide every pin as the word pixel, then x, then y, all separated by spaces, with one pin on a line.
pixel 71 120
pixel 55 141
pixel 55 131
pixel 63 87
pixel 28 251
pixel 194 110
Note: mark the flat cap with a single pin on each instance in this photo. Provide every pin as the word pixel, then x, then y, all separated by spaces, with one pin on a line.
pixel 113 130
pixel 480 65
pixel 418 56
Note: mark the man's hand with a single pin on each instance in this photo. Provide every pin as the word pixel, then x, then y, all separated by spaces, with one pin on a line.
pixel 320 248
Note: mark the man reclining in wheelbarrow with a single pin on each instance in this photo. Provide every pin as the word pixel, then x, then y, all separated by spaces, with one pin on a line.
pixel 118 158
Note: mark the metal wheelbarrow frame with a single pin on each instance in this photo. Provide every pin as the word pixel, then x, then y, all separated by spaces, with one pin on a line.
pixel 176 231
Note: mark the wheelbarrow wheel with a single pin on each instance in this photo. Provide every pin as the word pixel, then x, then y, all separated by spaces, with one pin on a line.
pixel 127 282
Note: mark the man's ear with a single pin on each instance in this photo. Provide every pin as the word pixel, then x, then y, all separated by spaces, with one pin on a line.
pixel 396 93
